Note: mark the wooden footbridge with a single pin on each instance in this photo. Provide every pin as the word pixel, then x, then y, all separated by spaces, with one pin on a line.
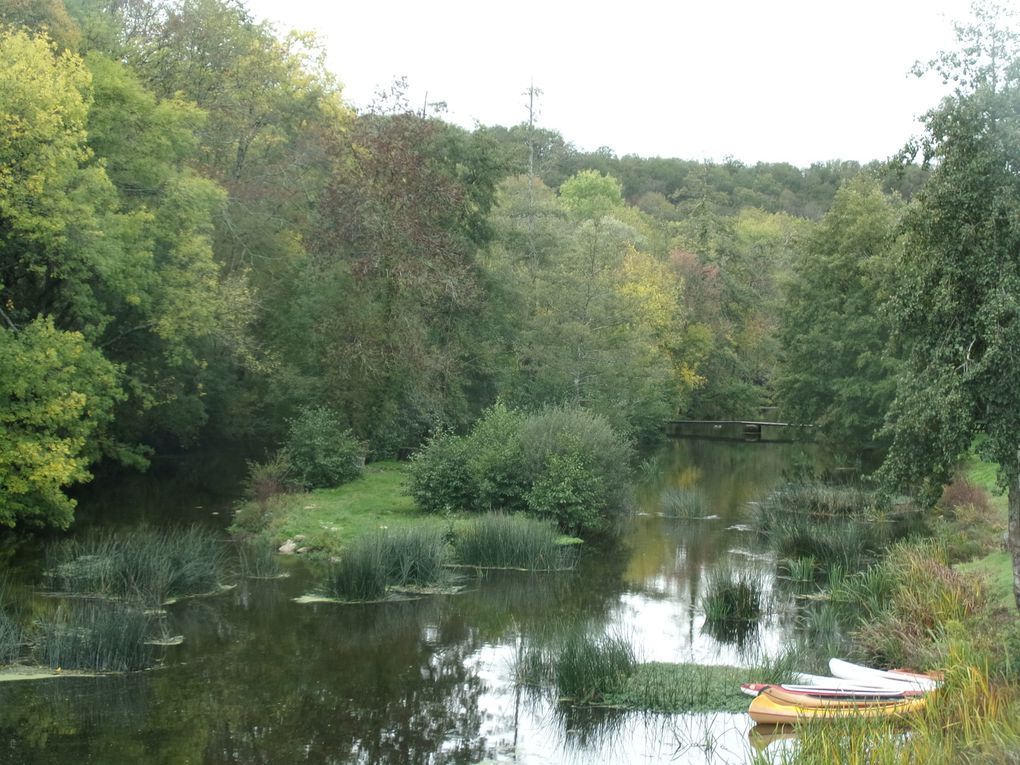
pixel 740 430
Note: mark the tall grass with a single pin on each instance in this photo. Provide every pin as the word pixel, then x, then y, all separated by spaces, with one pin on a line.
pixel 495 540
pixel 148 565
pixel 679 502
pixel 102 637
pixel 377 561
pixel 590 667
pixel 257 558
pixel 732 604
pixel 10 632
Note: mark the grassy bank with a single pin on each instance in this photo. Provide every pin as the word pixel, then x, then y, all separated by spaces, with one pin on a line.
pixel 329 519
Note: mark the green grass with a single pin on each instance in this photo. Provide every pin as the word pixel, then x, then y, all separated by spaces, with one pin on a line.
pixel 679 502
pixel 675 688
pixel 329 519
pixel 996 573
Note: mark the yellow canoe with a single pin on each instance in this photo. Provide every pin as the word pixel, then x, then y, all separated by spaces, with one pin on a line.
pixel 765 709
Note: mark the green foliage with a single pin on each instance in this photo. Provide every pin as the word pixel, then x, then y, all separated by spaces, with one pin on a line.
pixel 563 464
pixel 322 452
pixel 835 372
pixel 59 394
pixel 439 476
pixel 732 603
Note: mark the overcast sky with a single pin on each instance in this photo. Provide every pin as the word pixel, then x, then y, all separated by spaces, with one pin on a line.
pixel 774 80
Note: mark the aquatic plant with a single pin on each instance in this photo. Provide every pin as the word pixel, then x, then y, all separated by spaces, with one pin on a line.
pixel 495 540
pixel 10 639
pixel 800 569
pixel 411 557
pixel 148 565
pixel 589 667
pixel 682 502
pixel 103 637
pixel 732 604
pixel 257 558
pixel 361 573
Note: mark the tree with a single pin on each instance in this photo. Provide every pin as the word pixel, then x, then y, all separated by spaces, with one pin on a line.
pixel 835 371
pixel 957 304
pixel 59 394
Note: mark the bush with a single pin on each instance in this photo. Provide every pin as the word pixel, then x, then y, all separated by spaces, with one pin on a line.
pixel 440 479
pixel 322 452
pixel 564 464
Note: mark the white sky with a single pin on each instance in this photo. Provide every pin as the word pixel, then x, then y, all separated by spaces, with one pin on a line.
pixel 775 80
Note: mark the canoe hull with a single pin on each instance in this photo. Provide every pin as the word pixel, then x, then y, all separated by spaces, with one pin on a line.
pixel 766 710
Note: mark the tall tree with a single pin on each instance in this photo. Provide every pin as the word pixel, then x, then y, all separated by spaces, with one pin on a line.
pixel 833 341
pixel 957 304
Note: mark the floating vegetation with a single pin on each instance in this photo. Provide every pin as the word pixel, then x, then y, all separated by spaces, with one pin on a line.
pixel 101 637
pixel 676 688
pixel 147 565
pixel 680 502
pixel 495 540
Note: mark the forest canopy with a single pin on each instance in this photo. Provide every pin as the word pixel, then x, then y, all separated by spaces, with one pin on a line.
pixel 200 239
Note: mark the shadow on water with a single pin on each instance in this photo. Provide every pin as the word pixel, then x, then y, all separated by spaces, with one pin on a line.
pixel 263 679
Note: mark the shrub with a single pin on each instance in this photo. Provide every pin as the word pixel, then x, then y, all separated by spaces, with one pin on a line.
pixel 496 461
pixel 322 452
pixel 440 478
pixel 569 492
pixel 564 464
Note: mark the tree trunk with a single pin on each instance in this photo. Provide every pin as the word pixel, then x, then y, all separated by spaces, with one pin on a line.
pixel 1013 535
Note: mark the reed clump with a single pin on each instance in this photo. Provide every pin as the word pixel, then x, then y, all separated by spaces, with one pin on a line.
pixel 151 566
pixel 680 502
pixel 495 540
pixel 374 563
pixel 257 558
pixel 101 637
pixel 732 604
pixel 589 668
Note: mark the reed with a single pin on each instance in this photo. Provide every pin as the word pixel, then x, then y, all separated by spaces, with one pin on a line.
pixel 678 502
pixel 10 639
pixel 496 540
pixel 361 573
pixel 414 556
pixel 101 637
pixel 257 558
pixel 411 557
pixel 147 565
pixel 590 667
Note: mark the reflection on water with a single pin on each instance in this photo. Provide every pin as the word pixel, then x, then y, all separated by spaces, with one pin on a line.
pixel 261 679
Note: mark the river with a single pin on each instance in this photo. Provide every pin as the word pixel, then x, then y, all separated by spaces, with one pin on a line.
pixel 260 678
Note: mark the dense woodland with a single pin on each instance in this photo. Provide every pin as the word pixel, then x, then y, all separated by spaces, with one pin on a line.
pixel 200 239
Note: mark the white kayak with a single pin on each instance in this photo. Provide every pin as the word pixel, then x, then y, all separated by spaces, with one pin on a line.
pixel 837 691
pixel 842 684
pixel 858 673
